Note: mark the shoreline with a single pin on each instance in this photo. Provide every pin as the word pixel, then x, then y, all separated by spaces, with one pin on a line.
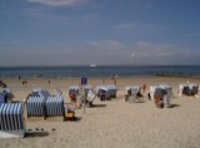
pixel 100 77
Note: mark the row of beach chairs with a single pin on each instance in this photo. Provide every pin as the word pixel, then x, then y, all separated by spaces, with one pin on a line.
pixel 39 106
pixel 41 103
pixel 104 92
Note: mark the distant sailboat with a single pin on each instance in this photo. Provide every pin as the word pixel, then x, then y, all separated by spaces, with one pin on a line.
pixel 93 65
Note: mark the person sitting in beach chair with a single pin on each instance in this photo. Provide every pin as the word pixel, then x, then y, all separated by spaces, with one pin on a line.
pixel 83 99
pixel 133 94
pixel 160 95
pixel 159 101
pixel 7 94
pixel 129 93
pixel 73 98
pixel 90 98
pixel 161 98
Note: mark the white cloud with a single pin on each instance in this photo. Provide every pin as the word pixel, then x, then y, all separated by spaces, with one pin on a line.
pixel 122 27
pixel 101 52
pixel 132 54
pixel 109 45
pixel 156 50
pixel 59 2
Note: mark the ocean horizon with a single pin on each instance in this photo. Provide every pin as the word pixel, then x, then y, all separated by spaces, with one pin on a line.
pixel 98 71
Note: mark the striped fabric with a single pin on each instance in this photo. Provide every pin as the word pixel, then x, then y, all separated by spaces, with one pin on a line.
pixel 35 106
pixel 55 106
pixel 11 117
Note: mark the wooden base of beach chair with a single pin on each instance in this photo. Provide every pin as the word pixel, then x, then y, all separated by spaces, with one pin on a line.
pixel 55 118
pixel 12 134
pixel 36 118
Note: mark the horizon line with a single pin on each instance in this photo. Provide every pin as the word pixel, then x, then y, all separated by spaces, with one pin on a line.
pixel 87 65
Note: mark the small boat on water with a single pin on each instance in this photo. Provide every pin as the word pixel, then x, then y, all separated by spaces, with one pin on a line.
pixel 93 65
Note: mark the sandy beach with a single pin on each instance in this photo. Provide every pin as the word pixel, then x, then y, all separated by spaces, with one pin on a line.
pixel 114 123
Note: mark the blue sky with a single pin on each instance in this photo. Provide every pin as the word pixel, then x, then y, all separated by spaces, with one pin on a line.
pixel 106 32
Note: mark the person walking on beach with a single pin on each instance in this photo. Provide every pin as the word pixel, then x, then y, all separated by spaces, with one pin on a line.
pixel 144 88
pixel 114 78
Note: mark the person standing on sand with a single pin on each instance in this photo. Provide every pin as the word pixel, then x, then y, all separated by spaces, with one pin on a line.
pixel 144 88
pixel 49 82
pixel 19 77
pixel 24 82
pixel 114 78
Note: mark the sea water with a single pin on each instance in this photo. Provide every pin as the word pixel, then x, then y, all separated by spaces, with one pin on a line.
pixel 99 71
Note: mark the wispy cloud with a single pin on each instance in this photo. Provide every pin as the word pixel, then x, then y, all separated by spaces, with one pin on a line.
pixel 59 2
pixel 148 53
pixel 127 27
pixel 107 47
pixel 192 35
pixel 144 49
pixel 103 52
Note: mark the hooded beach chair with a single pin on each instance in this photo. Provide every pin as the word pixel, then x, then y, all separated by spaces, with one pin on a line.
pixel 103 92
pixel 161 95
pixel 35 106
pixel 112 90
pixel 11 120
pixel 41 92
pixel 188 89
pixel 55 106
pixel 132 92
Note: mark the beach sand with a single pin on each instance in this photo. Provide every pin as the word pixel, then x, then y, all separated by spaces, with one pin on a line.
pixel 114 124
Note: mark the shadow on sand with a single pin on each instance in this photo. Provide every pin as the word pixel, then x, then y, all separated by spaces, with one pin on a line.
pixel 174 105
pixel 98 105
pixel 74 119
pixel 36 134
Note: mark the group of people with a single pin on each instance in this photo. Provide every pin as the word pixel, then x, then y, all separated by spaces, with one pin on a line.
pixel 82 97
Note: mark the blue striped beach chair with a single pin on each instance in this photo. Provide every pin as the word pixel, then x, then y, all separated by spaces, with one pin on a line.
pixel 55 106
pixel 35 106
pixel 11 120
